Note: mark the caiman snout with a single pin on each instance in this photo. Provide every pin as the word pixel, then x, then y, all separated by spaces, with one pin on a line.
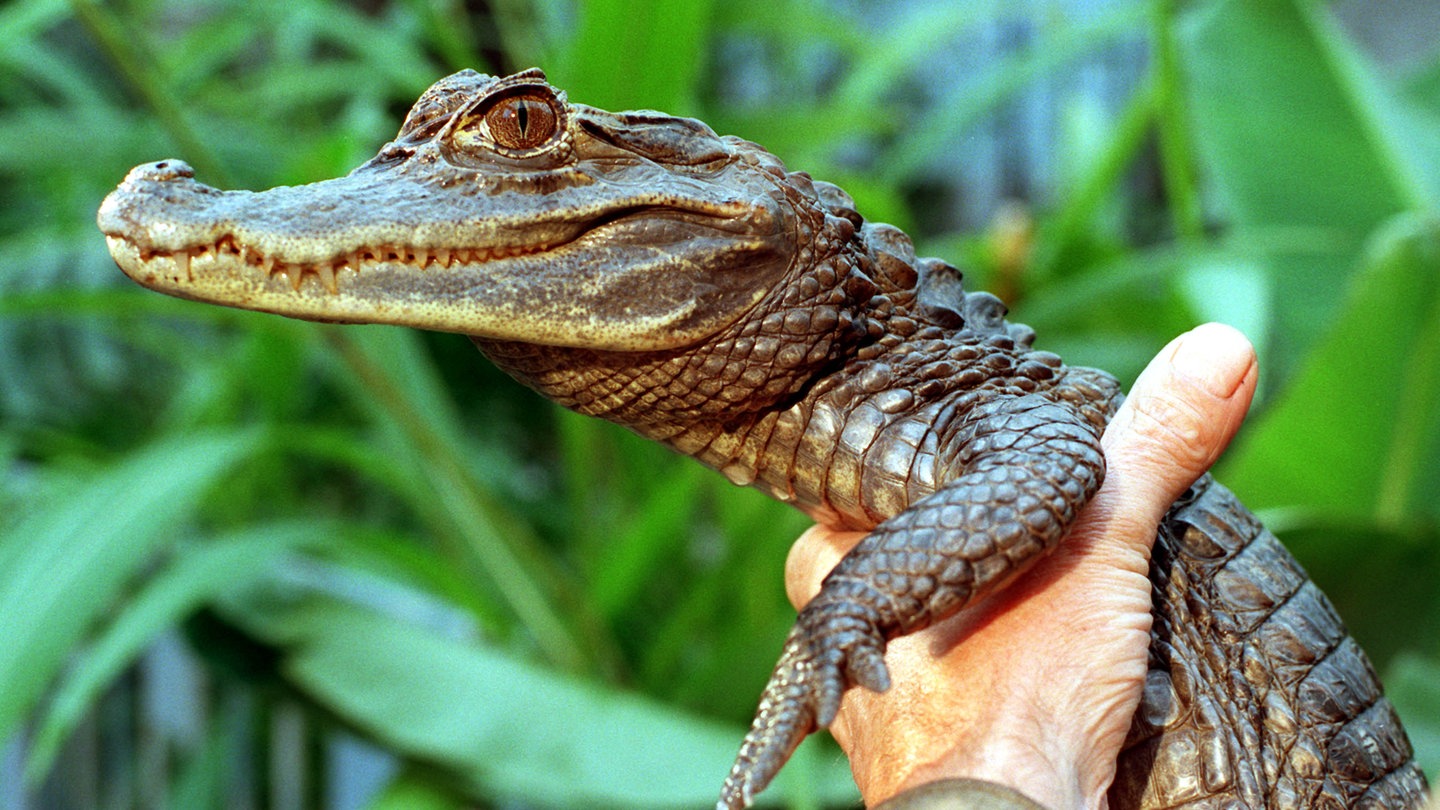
pixel 633 232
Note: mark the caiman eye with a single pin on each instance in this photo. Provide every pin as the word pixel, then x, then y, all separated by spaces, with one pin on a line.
pixel 522 122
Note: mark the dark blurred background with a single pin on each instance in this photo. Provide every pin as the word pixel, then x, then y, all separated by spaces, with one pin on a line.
pixel 248 562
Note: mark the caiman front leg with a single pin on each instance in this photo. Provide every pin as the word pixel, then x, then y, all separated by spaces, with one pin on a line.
pixel 1025 466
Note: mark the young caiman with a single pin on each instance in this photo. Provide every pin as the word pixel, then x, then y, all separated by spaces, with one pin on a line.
pixel 640 268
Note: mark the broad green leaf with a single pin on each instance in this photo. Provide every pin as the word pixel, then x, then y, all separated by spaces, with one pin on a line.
pixel 1412 683
pixel 409 791
pixel 1355 432
pixel 398 383
pixel 505 726
pixel 193 578
pixel 1232 292
pixel 635 54
pixel 1264 81
pixel 1356 565
pixel 639 549
pixel 66 561
pixel 22 21
pixel 1297 130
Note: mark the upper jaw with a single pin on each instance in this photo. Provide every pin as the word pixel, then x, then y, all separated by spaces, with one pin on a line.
pixel 162 209
pixel 608 269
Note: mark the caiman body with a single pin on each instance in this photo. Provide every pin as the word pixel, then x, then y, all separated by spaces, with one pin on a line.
pixel 639 268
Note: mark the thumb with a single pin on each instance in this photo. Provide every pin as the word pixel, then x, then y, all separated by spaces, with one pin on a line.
pixel 1181 413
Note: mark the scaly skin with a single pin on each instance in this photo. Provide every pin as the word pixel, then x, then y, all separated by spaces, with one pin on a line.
pixel 640 268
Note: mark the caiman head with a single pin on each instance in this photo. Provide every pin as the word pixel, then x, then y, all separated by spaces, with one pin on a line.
pixel 500 211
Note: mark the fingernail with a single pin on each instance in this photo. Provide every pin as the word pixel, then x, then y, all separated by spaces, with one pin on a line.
pixel 1215 355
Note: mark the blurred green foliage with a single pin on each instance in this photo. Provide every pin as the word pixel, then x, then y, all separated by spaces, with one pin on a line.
pixel 525 605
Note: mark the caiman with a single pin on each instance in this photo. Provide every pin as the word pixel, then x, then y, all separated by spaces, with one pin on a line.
pixel 638 267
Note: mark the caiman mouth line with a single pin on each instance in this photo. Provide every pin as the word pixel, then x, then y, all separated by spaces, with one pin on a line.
pixel 327 272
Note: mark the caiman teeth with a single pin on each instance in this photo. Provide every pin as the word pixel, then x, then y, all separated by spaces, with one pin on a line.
pixel 327 276
pixel 328 272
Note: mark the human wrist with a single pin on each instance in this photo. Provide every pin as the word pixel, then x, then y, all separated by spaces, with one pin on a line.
pixel 1015 749
pixel 961 794
pixel 1036 768
pixel 988 708
pixel 1042 771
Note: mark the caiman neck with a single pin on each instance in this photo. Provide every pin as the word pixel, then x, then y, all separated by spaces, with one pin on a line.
pixel 857 297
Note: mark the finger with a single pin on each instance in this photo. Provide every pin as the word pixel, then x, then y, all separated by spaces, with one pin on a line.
pixel 817 551
pixel 1181 413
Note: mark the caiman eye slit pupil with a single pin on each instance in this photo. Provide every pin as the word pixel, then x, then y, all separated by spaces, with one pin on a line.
pixel 521 122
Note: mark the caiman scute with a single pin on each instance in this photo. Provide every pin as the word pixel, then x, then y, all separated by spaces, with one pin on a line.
pixel 639 268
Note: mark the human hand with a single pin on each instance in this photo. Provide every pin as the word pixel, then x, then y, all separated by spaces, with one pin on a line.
pixel 1034 687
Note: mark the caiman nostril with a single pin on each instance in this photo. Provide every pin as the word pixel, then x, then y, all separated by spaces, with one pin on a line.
pixel 161 170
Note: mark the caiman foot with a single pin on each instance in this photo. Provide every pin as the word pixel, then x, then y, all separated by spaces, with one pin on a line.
pixel 831 647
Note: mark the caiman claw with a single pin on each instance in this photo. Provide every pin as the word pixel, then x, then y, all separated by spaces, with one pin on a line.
pixel 827 651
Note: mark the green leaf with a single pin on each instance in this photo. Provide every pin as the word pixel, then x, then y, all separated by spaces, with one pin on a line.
pixel 1355 564
pixel 1298 130
pixel 22 21
pixel 629 54
pixel 398 383
pixel 196 576
pixel 507 727
pixel 965 106
pixel 1413 684
pixel 66 561
pixel 1263 80
pixel 201 780
pixel 1355 431
pixel 409 791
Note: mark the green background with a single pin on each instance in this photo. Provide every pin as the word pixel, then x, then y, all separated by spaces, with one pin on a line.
pixel 372 530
